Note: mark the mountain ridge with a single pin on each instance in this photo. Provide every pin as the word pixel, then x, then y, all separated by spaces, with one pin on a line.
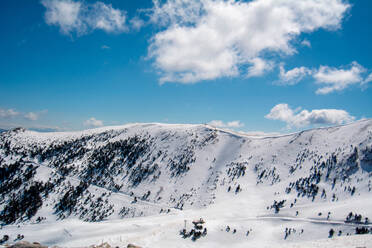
pixel 144 170
pixel 144 124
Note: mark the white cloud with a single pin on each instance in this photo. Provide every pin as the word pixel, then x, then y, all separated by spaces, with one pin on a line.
pixel 93 122
pixel 32 116
pixel 306 43
pixel 335 79
pixel 105 47
pixel 65 14
pixel 297 118
pixel 107 18
pixel 259 67
pixel 8 113
pixel 209 39
pixel 235 124
pixel 221 124
pixel 368 79
pixel 293 76
pixel 331 78
pixel 137 23
pixel 82 17
pixel 176 12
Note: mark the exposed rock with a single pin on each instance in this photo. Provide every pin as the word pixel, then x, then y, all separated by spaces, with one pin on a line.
pixel 133 246
pixel 25 244
pixel 103 245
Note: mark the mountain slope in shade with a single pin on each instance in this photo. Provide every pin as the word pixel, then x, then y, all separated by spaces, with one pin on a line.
pixel 139 182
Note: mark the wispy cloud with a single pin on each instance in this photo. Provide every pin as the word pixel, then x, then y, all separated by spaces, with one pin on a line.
pixel 176 12
pixel 8 113
pixel 11 118
pixel 93 122
pixel 368 79
pixel 34 116
pixel 209 39
pixel 298 118
pixel 137 23
pixel 306 43
pixel 31 116
pixel 230 124
pixel 11 113
pixel 82 17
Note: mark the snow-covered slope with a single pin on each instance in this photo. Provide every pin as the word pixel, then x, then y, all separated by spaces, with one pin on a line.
pixel 139 182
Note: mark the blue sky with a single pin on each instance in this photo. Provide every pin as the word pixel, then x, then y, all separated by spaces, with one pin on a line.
pixel 263 65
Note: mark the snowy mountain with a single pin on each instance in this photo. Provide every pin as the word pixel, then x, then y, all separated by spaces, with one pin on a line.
pixel 140 182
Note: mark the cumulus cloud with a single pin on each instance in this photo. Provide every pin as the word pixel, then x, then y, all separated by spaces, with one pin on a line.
pixel 293 76
pixel 8 113
pixel 221 124
pixel 93 122
pixel 209 39
pixel 82 17
pixel 298 118
pixel 335 79
pixel 259 67
pixel 331 79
